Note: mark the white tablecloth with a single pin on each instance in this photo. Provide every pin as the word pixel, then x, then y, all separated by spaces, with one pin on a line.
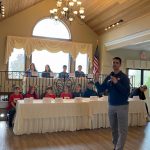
pixel 40 117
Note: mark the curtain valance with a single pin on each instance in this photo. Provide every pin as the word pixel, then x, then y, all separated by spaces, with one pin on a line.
pixel 29 44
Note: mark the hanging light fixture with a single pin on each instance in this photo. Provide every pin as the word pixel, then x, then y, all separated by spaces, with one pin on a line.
pixel 68 10
pixel 2 10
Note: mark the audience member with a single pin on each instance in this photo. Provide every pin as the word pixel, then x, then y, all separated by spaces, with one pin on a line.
pixel 31 72
pixel 64 74
pixel 66 93
pixel 78 92
pixel 79 72
pixel 89 91
pixel 31 93
pixel 47 72
pixel 12 104
pixel 49 93
pixel 140 92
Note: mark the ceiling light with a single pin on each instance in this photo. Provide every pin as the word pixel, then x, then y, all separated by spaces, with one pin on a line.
pixel 68 10
pixel 113 25
pixel 2 10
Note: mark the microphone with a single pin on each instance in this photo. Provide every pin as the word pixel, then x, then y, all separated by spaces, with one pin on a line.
pixel 109 81
pixel 111 74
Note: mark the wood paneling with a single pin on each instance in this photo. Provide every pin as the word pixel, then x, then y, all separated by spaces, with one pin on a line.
pixel 138 139
pixel 99 13
pixel 14 6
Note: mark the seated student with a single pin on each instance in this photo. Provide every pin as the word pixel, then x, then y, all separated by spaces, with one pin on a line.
pixel 78 92
pixel 64 74
pixel 140 92
pixel 49 93
pixel 31 72
pixel 46 73
pixel 66 93
pixel 89 91
pixel 12 104
pixel 79 72
pixel 31 93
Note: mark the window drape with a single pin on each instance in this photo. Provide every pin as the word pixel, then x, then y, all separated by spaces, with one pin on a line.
pixel 29 44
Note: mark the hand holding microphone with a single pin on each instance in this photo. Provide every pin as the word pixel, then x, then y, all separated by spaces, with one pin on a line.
pixel 113 79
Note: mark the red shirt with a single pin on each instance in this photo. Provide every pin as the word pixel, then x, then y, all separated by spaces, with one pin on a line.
pixel 50 95
pixel 13 98
pixel 31 95
pixel 63 95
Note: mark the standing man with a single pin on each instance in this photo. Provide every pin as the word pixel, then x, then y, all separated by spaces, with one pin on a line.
pixel 117 84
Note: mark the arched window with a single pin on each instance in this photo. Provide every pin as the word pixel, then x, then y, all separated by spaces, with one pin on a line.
pixel 52 29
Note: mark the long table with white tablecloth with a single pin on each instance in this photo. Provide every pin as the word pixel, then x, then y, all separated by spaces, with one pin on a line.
pixel 39 116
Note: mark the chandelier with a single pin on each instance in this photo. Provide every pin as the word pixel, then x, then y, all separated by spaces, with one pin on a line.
pixel 2 10
pixel 68 10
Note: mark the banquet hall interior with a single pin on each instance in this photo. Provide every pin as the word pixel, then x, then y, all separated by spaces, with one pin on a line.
pixel 76 40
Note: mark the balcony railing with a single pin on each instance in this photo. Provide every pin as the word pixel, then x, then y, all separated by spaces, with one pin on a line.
pixel 10 78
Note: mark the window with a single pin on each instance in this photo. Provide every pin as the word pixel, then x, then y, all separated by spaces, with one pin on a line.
pixel 136 74
pixel 82 59
pixel 16 64
pixel 147 78
pixel 51 28
pixel 140 77
pixel 54 60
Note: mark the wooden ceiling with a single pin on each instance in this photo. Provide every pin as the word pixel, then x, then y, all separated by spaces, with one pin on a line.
pixel 103 13
pixel 99 13
pixel 14 6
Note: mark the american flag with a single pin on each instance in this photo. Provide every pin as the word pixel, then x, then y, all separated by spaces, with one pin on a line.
pixel 96 61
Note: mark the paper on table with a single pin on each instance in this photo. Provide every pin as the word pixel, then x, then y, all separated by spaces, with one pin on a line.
pixel 58 100
pixel 95 98
pixel 78 99
pixel 136 98
pixel 28 100
pixel 47 100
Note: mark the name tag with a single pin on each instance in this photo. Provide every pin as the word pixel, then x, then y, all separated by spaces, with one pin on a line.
pixel 59 100
pixel 136 98
pixel 47 100
pixel 28 100
pixel 78 99
pixel 66 97
pixel 94 98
